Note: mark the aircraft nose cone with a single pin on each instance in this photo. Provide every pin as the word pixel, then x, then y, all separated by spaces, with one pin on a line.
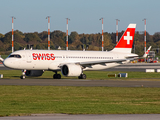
pixel 7 63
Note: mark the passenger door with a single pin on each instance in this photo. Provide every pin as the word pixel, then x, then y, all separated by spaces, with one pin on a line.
pixel 29 56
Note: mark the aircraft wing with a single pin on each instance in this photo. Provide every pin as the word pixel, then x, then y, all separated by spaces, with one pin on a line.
pixel 89 63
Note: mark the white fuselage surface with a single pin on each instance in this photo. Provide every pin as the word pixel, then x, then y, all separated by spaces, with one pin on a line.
pixel 51 59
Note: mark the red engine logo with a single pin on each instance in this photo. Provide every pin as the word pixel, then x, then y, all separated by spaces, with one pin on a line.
pixel 43 56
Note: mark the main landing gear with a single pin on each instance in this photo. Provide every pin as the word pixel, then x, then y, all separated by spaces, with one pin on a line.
pixel 82 76
pixel 56 76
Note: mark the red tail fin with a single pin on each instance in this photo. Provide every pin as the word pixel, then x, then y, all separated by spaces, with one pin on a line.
pixel 126 41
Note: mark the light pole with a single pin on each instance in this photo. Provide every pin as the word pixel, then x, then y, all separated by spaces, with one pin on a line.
pixel 48 32
pixel 144 36
pixel 12 34
pixel 117 30
pixel 67 35
pixel 102 33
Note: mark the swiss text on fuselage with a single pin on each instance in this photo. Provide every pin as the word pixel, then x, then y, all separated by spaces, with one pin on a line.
pixel 43 56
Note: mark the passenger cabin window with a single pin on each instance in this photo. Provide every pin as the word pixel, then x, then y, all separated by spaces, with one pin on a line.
pixel 15 56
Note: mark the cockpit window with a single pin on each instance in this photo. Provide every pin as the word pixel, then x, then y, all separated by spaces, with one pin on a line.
pixel 15 56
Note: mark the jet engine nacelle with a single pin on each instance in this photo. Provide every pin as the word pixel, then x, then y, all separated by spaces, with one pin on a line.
pixel 34 73
pixel 71 70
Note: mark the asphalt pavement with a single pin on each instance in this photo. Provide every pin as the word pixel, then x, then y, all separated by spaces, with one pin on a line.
pixel 86 117
pixel 79 82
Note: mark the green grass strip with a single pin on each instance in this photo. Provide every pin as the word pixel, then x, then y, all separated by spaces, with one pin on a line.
pixel 96 75
pixel 26 100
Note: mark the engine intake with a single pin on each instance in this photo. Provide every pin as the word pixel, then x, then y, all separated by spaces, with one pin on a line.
pixel 71 70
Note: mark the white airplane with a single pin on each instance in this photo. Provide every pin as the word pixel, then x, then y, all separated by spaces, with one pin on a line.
pixel 147 52
pixel 72 63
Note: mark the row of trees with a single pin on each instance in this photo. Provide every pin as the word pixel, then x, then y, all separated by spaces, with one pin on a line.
pixel 76 41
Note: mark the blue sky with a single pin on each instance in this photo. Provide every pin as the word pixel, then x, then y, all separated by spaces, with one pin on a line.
pixel 84 15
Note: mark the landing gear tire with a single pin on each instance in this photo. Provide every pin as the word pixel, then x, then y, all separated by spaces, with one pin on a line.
pixel 82 76
pixel 56 76
pixel 23 74
pixel 22 77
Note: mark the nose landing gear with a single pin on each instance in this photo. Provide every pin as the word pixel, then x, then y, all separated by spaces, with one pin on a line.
pixel 23 74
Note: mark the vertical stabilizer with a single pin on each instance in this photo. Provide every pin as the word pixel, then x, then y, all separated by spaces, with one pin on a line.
pixel 126 41
pixel 147 52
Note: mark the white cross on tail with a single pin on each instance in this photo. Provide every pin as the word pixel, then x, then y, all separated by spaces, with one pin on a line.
pixel 128 38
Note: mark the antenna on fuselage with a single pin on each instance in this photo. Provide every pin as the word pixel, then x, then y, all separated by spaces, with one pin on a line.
pixel 29 46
